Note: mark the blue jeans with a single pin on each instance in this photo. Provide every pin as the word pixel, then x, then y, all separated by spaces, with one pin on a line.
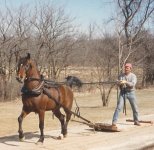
pixel 132 100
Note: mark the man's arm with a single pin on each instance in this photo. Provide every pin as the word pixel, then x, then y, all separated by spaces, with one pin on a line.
pixel 133 81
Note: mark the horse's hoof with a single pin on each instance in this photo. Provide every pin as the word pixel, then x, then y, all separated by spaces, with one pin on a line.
pixel 60 137
pixel 22 139
pixel 65 135
pixel 39 143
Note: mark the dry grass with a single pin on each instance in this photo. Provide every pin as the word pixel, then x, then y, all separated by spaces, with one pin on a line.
pixel 90 108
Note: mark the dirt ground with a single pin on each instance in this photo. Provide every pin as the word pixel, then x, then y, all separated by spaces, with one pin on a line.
pixel 80 136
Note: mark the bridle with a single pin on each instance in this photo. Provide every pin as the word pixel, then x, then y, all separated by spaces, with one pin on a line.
pixel 22 69
pixel 25 68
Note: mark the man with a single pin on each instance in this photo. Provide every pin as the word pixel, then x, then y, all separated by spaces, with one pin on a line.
pixel 127 82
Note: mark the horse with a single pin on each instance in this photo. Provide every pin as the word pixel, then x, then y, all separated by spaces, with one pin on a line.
pixel 39 96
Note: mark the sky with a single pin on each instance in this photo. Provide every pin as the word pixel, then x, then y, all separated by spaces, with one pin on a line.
pixel 88 11
pixel 85 12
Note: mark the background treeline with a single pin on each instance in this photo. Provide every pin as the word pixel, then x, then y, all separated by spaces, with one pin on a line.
pixel 60 49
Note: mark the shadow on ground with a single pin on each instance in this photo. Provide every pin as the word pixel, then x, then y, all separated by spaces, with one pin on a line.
pixel 7 140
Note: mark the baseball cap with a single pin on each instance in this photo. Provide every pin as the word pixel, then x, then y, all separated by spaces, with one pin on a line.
pixel 128 65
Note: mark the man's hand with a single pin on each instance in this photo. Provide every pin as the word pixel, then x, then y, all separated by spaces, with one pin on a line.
pixel 123 81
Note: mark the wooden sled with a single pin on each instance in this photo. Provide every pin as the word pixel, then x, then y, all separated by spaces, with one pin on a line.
pixel 104 127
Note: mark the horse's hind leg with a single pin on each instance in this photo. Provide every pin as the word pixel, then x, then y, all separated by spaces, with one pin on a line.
pixel 61 118
pixel 68 117
pixel 20 120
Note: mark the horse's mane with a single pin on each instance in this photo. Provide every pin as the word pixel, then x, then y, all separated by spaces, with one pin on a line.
pixel 73 81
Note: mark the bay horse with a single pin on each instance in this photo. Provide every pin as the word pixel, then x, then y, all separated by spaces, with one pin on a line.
pixel 38 96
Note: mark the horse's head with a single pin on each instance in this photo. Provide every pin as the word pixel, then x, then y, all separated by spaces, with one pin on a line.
pixel 23 68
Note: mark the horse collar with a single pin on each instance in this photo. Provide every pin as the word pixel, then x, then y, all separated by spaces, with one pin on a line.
pixel 34 92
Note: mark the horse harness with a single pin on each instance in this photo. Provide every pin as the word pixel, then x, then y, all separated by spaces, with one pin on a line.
pixel 43 87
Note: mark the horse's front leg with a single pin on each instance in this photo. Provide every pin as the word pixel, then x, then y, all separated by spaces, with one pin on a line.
pixel 20 120
pixel 41 126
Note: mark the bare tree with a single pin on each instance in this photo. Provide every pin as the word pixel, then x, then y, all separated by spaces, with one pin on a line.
pixel 133 15
pixel 5 42
pixel 14 30
pixel 55 37
pixel 102 57
pixel 46 31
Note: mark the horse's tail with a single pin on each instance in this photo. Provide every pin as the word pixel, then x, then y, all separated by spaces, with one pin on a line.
pixel 73 81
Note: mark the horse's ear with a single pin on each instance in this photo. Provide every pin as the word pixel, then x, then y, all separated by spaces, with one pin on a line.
pixel 28 55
